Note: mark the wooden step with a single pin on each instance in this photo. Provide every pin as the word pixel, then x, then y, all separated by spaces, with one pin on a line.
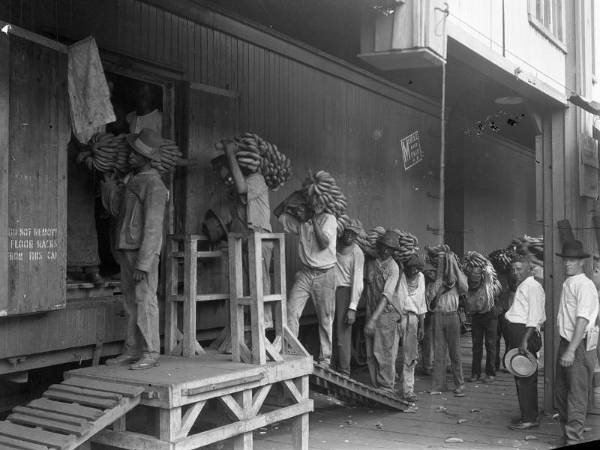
pixel 123 389
pixel 50 415
pixel 17 444
pixel 87 392
pixel 68 409
pixel 36 436
pixel 48 424
pixel 80 399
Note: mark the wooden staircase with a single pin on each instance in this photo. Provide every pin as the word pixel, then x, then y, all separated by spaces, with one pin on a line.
pixel 67 415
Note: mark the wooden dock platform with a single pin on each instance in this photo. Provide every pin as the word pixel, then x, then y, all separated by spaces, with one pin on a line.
pixel 179 390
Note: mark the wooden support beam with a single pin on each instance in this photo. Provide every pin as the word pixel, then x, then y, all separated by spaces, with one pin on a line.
pixel 259 398
pixel 190 418
pixel 169 423
pixel 190 265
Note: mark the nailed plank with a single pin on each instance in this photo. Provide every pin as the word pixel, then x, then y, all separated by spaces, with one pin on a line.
pixel 86 392
pixel 81 399
pixel 123 389
pixel 84 412
pixel 33 435
pixel 7 442
pixel 49 415
pixel 48 424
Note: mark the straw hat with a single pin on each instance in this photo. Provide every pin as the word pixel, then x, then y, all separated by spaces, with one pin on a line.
pixel 520 365
pixel 146 143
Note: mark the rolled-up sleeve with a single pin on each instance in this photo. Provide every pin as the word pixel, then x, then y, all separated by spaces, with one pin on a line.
pixel 537 301
pixel 357 278
pixel 587 302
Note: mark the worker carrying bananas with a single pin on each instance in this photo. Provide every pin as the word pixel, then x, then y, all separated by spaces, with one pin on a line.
pixel 139 204
pixel 316 279
pixel 383 313
pixel 249 206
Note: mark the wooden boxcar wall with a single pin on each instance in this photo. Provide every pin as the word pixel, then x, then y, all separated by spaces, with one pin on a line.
pixel 323 113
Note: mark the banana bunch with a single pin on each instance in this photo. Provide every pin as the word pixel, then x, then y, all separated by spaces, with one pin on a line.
pixel 321 187
pixel 473 260
pixel 170 156
pixel 106 152
pixel 409 244
pixel 342 222
pixel 367 241
pixel 431 255
pixel 254 154
pixel 501 259
pixel 529 246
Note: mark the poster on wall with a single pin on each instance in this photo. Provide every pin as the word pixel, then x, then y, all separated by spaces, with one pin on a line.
pixel 412 154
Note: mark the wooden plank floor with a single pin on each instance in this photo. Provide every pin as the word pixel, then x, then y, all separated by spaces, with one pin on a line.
pixel 487 410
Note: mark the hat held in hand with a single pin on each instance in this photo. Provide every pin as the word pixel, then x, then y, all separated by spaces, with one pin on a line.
pixel 146 143
pixel 573 249
pixel 520 365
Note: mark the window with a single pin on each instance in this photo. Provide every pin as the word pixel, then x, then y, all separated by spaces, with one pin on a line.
pixel 548 17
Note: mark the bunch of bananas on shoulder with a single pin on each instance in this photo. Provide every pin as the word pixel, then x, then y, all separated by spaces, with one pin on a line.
pixel 320 187
pixel 255 154
pixel 106 152
pixel 170 156
pixel 408 242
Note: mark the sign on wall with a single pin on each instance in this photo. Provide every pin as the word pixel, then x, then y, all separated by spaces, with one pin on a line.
pixel 412 153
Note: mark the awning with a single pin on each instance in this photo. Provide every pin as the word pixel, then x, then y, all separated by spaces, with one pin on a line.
pixel 588 105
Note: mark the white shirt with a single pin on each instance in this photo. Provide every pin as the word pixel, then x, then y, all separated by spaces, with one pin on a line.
pixel 349 270
pixel 152 120
pixel 411 300
pixel 309 251
pixel 578 298
pixel 529 304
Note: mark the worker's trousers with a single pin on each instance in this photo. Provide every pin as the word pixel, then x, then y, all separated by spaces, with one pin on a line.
pixel 409 327
pixel 572 390
pixel 484 328
pixel 141 307
pixel 320 286
pixel 343 331
pixel 382 349
pixel 446 335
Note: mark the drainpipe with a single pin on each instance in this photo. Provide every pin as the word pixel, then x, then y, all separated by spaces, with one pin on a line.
pixel 442 157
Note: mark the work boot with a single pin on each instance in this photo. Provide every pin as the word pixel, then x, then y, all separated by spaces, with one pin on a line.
pixel 459 391
pixel 147 361
pixel 489 379
pixel 121 359
pixel 474 378
pixel 410 397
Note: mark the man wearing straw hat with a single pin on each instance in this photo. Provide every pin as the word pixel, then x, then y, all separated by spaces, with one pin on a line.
pixel 576 319
pixel 522 323
pixel 139 204
pixel 383 313
pixel 349 286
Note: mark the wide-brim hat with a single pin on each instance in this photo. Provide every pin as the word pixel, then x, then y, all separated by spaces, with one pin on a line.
pixel 147 143
pixel 520 365
pixel 354 226
pixel 389 239
pixel 573 249
pixel 214 226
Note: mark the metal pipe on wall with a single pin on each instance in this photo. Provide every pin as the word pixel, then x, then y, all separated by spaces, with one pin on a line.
pixel 442 157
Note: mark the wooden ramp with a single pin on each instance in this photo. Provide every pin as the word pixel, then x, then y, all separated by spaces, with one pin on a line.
pixel 67 415
pixel 346 388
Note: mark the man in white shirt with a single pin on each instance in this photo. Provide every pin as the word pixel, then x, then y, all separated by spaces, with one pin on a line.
pixel 577 314
pixel 316 278
pixel 522 324
pixel 349 286
pixel 413 307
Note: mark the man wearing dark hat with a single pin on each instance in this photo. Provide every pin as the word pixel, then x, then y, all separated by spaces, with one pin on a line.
pixel 522 324
pixel 139 203
pixel 410 293
pixel 349 286
pixel 383 312
pixel 577 314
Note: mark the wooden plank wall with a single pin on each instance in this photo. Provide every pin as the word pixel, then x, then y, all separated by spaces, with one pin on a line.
pixel 39 130
pixel 323 114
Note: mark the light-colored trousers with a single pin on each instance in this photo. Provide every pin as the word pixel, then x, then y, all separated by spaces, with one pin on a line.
pixel 320 286
pixel 141 306
pixel 382 349
pixel 409 327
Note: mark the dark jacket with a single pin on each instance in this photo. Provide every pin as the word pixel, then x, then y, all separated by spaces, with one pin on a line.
pixel 140 206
